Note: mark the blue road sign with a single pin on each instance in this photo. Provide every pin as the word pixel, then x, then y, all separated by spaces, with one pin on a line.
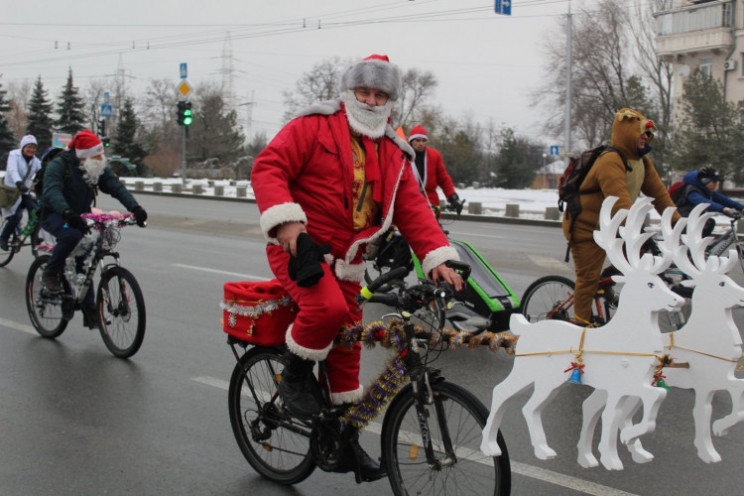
pixel 503 7
pixel 107 111
pixel 182 70
pixel 555 150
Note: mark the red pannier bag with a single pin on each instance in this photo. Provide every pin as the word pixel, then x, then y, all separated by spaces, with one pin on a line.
pixel 257 312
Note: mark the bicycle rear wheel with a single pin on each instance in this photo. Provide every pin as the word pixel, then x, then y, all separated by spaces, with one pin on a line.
pixel 275 445
pixel 549 297
pixel 46 312
pixel 121 312
pixel 7 256
pixel 455 424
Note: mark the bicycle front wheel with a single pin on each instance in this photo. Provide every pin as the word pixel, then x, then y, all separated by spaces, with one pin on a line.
pixel 46 312
pixel 121 312
pixel 7 256
pixel 275 445
pixel 456 464
pixel 549 297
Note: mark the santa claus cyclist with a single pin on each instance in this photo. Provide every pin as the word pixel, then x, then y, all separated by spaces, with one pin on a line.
pixel 339 175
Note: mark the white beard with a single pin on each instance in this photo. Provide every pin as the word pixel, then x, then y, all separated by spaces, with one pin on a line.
pixel 92 170
pixel 364 119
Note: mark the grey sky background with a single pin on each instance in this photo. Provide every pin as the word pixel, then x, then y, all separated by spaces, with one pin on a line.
pixel 487 65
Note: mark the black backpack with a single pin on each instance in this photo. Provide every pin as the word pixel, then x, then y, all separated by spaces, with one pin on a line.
pixel 49 155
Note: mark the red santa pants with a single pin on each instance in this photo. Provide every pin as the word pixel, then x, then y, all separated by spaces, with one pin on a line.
pixel 323 310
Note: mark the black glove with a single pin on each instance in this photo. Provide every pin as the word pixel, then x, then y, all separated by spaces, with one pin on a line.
pixel 74 220
pixel 455 203
pixel 305 268
pixel 22 187
pixel 140 216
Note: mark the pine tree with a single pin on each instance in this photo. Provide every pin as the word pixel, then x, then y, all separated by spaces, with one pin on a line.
pixel 39 116
pixel 124 142
pixel 7 140
pixel 70 109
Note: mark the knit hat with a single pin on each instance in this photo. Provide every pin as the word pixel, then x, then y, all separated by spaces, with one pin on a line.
pixel 374 71
pixel 417 132
pixel 29 139
pixel 86 144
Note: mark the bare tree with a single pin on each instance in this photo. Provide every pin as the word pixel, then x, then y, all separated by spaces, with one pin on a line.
pixel 417 87
pixel 318 84
pixel 19 95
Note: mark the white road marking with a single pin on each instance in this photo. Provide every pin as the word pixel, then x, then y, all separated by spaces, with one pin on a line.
pixel 18 326
pixel 558 479
pixel 215 271
pixel 549 263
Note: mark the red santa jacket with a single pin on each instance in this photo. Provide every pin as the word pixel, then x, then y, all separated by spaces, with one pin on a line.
pixel 305 175
pixel 435 175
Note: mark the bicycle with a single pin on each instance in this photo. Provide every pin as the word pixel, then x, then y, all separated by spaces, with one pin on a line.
pixel 432 429
pixel 29 235
pixel 120 304
pixel 551 297
pixel 725 240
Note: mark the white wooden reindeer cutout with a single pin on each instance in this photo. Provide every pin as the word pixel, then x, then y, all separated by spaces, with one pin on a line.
pixel 706 349
pixel 619 358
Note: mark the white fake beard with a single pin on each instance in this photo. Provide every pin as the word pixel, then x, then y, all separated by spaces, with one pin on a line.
pixel 365 119
pixel 92 170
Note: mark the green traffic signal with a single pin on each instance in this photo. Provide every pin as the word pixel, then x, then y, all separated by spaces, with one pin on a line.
pixel 187 117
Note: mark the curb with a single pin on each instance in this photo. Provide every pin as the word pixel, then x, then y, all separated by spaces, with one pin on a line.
pixel 470 217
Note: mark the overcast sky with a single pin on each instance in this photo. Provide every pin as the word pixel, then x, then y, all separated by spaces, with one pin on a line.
pixel 487 65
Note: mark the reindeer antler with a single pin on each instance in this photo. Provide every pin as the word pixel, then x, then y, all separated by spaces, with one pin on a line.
pixel 606 236
pixel 670 242
pixel 698 245
pixel 635 238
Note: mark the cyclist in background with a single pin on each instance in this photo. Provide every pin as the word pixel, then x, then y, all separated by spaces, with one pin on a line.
pixel 700 186
pixel 430 171
pixel 22 166
pixel 71 181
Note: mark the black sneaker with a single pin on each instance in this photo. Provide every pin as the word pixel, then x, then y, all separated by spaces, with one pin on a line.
pixel 52 280
pixel 299 389
pixel 4 245
pixel 356 460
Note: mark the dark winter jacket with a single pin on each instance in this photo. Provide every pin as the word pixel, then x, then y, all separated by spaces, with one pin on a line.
pixel 73 192
pixel 693 192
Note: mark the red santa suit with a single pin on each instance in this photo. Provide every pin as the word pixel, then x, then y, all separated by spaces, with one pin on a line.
pixel 434 172
pixel 306 174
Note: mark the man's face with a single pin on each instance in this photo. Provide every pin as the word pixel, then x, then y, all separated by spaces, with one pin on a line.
pixel 712 186
pixel 419 144
pixel 642 140
pixel 29 150
pixel 371 96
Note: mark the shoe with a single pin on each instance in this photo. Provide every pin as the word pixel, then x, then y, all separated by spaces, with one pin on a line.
pixel 4 245
pixel 52 280
pixel 90 318
pixel 299 389
pixel 356 460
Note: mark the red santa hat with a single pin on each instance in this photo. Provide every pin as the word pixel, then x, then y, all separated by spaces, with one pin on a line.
pixel 86 145
pixel 374 71
pixel 417 132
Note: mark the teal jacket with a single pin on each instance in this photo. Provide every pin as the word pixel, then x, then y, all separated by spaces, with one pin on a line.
pixel 61 193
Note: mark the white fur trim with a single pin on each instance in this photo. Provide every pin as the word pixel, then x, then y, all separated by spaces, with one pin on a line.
pixel 326 107
pixel 280 214
pixel 373 73
pixel 347 396
pixel 438 257
pixel 306 353
pixel 349 272
pixel 89 152
pixel 414 136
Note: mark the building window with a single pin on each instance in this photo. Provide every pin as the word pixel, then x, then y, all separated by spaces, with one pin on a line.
pixel 706 66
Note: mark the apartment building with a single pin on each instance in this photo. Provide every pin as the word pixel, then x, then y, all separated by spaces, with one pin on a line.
pixel 706 35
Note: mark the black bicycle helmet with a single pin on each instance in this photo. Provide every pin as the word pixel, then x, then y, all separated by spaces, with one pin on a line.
pixel 708 174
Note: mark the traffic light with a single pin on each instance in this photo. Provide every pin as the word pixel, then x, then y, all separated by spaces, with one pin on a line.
pixel 106 142
pixel 185 114
pixel 102 127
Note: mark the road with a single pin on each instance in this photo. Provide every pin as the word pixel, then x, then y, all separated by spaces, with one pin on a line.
pixel 75 420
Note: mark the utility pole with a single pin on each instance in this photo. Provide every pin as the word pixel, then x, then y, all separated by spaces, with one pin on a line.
pixel 569 44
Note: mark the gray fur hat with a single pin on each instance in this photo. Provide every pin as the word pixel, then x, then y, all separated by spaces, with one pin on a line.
pixel 374 71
